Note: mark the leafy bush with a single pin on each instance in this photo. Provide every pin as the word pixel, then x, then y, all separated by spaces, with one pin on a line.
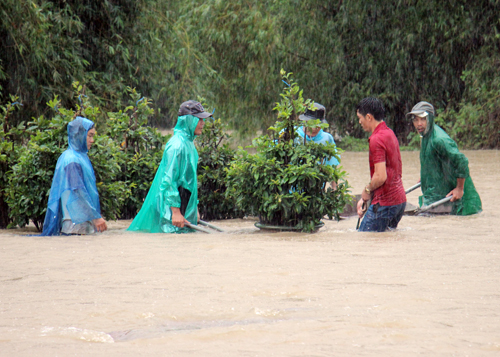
pixel 11 141
pixel 31 178
pixel 284 182
pixel 142 148
pixel 215 156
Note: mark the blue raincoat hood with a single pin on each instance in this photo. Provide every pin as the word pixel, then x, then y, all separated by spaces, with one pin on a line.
pixel 77 134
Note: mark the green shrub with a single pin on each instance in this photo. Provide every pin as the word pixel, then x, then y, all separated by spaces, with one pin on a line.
pixel 142 148
pixel 11 140
pixel 215 156
pixel 284 182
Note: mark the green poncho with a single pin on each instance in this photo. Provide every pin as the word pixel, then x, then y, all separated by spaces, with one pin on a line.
pixel 178 168
pixel 440 165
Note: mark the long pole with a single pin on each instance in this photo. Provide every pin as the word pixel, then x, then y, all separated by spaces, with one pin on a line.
pixel 414 187
pixel 211 226
pixel 197 228
pixel 435 204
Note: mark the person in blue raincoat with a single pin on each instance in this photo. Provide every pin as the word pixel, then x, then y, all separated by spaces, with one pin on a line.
pixel 172 199
pixel 73 206
pixel 317 135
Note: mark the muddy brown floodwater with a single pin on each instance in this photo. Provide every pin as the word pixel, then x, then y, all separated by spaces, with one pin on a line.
pixel 430 288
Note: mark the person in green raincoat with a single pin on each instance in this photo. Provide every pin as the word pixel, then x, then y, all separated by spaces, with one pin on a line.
pixel 444 170
pixel 172 199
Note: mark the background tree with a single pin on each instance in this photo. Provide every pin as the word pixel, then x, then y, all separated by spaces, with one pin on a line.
pixel 230 53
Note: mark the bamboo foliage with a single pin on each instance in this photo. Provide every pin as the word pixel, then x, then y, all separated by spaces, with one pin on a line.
pixel 230 53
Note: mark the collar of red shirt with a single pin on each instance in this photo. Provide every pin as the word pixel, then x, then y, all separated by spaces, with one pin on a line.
pixel 379 127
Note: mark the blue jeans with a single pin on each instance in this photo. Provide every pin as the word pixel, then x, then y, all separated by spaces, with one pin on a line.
pixel 380 218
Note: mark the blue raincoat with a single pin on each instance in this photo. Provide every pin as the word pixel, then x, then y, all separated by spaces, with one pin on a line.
pixel 73 173
pixel 321 138
pixel 177 171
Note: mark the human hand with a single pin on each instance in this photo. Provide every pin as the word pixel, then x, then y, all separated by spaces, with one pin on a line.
pixel 100 225
pixel 333 184
pixel 362 207
pixel 457 194
pixel 178 219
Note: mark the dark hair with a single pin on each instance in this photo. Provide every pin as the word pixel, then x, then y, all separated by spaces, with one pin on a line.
pixel 371 106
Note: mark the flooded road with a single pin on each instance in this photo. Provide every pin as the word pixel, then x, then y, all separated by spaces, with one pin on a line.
pixel 430 288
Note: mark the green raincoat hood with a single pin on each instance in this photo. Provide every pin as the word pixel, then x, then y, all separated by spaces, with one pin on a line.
pixel 186 125
pixel 430 125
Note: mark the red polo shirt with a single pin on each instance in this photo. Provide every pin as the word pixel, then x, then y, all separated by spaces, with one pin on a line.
pixel 384 147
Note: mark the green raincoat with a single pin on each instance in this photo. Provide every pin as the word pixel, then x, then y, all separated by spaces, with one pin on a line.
pixel 440 165
pixel 178 168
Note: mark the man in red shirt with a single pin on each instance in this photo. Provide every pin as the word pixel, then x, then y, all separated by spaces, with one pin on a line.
pixel 385 189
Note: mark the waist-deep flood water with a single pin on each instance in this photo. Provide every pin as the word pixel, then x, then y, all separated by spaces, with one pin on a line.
pixel 429 288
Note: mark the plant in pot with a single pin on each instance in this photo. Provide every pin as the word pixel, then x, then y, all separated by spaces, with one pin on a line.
pixel 215 155
pixel 284 182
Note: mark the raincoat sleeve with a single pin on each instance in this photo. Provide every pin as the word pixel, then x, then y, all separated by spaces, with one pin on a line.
pixel 456 161
pixel 79 205
pixel 169 185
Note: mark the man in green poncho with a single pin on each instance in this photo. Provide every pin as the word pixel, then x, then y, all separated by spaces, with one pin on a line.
pixel 172 199
pixel 444 170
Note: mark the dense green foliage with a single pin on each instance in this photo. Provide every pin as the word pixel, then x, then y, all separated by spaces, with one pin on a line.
pixel 215 156
pixel 142 148
pixel 476 121
pixel 12 139
pixel 284 182
pixel 444 52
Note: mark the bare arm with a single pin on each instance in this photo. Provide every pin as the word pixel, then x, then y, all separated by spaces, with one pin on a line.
pixel 378 179
pixel 458 191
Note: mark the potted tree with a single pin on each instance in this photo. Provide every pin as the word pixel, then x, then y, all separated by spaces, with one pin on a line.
pixel 283 183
